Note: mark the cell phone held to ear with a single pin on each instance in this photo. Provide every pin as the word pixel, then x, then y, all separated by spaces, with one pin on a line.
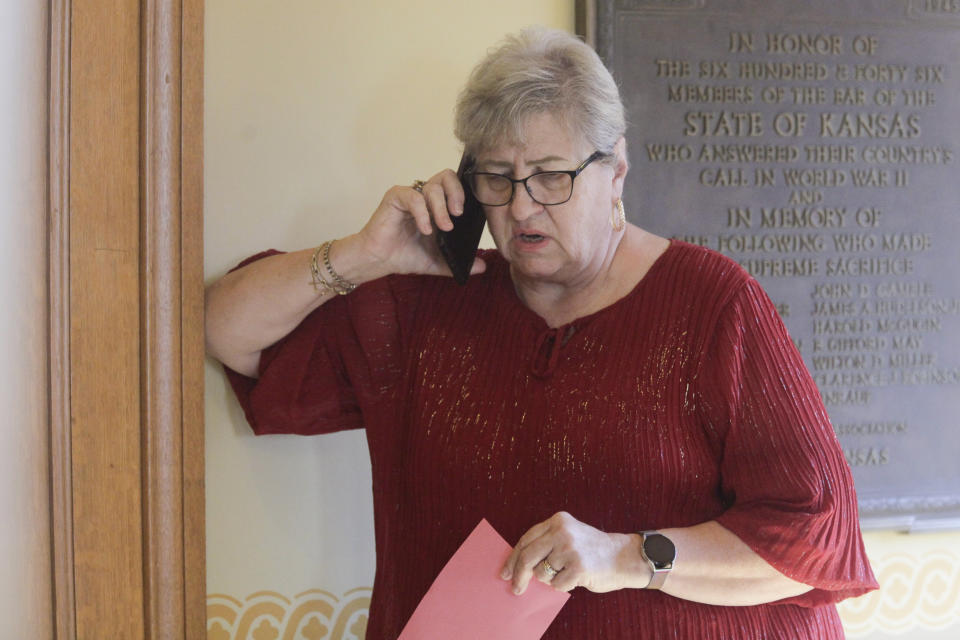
pixel 459 246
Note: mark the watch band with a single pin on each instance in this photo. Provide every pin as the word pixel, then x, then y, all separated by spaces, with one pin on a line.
pixel 660 553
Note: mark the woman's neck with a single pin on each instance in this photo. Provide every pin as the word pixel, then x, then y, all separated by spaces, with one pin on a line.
pixel 599 285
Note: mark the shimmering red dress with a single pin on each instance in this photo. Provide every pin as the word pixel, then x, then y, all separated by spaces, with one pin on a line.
pixel 684 401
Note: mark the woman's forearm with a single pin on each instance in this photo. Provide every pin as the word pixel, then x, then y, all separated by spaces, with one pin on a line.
pixel 714 566
pixel 251 308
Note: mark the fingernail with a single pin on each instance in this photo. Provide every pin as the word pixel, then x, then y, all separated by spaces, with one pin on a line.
pixel 504 574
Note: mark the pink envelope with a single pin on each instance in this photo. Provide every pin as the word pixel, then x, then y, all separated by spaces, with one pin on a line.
pixel 469 600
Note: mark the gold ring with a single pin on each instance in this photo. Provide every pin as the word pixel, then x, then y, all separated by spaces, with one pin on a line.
pixel 418 185
pixel 549 570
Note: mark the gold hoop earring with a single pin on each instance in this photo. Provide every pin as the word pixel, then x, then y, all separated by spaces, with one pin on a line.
pixel 618 220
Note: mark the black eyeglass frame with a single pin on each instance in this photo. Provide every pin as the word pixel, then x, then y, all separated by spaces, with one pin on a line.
pixel 513 181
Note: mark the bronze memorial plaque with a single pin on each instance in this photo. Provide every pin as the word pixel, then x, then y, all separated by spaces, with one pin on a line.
pixel 816 143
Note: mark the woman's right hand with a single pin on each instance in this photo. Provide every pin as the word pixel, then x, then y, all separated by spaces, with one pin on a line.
pixel 400 236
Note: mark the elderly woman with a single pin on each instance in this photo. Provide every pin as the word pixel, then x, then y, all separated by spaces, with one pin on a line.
pixel 628 408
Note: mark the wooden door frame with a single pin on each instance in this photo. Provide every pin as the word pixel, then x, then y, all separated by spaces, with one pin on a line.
pixel 166 300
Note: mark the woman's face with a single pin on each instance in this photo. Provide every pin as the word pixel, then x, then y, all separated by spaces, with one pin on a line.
pixel 560 243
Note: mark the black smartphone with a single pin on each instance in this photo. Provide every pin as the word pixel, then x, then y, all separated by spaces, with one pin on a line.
pixel 459 246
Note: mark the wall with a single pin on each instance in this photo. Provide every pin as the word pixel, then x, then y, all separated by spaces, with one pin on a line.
pixel 311 113
pixel 25 596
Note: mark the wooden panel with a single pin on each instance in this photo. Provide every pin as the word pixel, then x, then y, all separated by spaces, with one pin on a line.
pixel 161 335
pixel 126 294
pixel 192 310
pixel 105 318
pixel 61 480
pixel 172 321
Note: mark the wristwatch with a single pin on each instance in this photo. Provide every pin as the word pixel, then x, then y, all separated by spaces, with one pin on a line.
pixel 660 553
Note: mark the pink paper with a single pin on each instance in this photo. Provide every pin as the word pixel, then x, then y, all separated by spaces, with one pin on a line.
pixel 469 600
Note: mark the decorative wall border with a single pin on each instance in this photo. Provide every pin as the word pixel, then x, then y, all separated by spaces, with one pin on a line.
pixel 915 593
pixel 268 615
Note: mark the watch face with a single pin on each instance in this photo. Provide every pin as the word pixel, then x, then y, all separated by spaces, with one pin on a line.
pixel 659 549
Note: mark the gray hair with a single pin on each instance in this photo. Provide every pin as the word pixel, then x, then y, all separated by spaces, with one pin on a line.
pixel 539 70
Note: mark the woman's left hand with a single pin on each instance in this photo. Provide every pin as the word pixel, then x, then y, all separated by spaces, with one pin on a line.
pixel 581 555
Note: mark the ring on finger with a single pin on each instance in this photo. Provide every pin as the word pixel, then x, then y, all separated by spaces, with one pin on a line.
pixel 548 569
pixel 418 185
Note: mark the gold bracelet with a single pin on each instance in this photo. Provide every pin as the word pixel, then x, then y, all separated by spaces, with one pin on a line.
pixel 319 283
pixel 339 285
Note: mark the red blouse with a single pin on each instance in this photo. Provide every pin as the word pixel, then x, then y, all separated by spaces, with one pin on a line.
pixel 684 401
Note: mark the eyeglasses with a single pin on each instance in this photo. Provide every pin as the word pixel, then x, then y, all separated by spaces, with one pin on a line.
pixel 545 187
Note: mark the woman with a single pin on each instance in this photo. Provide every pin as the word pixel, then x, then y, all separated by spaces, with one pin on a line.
pixel 630 409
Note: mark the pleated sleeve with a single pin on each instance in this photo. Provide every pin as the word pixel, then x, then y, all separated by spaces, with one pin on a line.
pixel 783 473
pixel 337 361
